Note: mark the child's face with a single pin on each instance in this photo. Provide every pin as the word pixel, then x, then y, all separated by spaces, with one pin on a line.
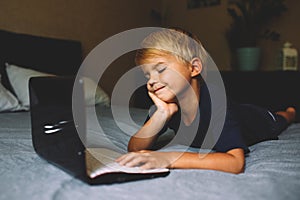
pixel 167 77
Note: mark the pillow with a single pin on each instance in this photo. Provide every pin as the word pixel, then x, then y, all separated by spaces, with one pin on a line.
pixel 8 102
pixel 19 78
pixel 100 97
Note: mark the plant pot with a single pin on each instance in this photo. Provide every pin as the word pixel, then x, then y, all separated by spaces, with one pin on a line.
pixel 248 58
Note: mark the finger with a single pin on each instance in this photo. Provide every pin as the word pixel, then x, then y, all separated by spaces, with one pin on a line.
pixel 155 99
pixel 144 151
pixel 139 160
pixel 173 108
pixel 133 159
pixel 136 161
pixel 147 165
pixel 123 160
pixel 152 96
pixel 120 158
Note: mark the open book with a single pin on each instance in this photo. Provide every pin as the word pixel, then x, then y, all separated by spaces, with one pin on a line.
pixel 102 161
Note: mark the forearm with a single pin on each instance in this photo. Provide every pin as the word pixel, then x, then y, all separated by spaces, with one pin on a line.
pixel 227 162
pixel 137 144
pixel 147 135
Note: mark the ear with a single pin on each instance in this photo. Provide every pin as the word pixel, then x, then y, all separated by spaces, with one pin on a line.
pixel 196 66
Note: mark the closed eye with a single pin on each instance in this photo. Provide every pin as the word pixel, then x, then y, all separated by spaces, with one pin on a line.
pixel 161 70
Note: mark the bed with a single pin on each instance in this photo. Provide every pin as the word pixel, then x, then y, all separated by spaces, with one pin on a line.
pixel 272 169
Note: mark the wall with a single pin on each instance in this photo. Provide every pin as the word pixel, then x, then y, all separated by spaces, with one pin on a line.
pixel 89 21
pixel 92 21
pixel 207 23
pixel 288 26
pixel 210 24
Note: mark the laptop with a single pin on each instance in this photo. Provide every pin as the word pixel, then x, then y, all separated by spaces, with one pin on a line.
pixel 54 133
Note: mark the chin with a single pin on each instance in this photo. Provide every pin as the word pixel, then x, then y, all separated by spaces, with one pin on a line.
pixel 168 99
pixel 167 96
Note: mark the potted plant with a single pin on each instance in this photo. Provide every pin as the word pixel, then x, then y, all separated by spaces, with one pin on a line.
pixel 249 25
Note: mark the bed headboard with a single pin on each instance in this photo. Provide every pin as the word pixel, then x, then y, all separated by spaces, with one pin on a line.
pixel 56 56
pixel 275 90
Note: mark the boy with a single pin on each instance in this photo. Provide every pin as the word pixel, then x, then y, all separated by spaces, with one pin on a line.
pixel 173 62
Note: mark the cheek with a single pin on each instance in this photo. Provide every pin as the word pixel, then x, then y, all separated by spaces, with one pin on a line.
pixel 172 78
pixel 168 77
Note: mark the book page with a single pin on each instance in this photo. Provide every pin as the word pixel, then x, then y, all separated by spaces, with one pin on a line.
pixel 101 161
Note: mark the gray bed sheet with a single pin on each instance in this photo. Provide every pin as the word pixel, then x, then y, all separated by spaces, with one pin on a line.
pixel 272 170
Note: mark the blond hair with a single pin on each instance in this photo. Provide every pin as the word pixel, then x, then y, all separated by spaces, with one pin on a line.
pixel 174 41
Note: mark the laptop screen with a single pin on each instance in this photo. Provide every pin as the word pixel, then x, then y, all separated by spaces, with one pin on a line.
pixel 54 134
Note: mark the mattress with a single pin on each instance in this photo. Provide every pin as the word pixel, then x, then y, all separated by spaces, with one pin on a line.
pixel 272 169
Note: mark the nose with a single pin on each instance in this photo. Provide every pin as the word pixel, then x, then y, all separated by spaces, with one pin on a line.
pixel 152 80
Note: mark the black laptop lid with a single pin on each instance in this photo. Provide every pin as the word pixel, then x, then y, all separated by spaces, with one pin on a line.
pixel 54 134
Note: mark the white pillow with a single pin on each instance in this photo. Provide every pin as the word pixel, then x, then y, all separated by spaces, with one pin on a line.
pixel 19 78
pixel 8 102
pixel 100 96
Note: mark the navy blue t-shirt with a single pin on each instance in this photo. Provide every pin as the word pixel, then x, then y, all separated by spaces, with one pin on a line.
pixel 220 140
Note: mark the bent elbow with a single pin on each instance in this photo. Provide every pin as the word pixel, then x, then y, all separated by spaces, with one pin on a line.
pixel 239 168
pixel 238 160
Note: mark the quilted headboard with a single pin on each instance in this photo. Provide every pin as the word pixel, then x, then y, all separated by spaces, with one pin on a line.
pixel 275 90
pixel 56 56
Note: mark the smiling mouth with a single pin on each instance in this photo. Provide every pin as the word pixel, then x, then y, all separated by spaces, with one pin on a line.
pixel 158 89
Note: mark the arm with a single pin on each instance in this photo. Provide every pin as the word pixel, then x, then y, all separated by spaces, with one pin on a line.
pixel 147 135
pixel 232 161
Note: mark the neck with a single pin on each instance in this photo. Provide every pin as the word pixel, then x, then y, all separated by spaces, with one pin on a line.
pixel 189 102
